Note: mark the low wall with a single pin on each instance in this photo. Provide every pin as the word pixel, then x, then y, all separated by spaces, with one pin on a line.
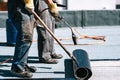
pixel 3 17
pixel 81 18
pixel 91 18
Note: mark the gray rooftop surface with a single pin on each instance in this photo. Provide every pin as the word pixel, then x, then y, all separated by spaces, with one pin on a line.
pixel 104 56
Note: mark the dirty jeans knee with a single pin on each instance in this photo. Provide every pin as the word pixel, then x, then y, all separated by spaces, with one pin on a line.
pixel 23 42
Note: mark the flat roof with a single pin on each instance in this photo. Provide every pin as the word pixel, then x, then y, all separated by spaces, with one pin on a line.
pixel 104 56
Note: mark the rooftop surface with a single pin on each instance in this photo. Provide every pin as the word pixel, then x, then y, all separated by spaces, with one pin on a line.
pixel 104 56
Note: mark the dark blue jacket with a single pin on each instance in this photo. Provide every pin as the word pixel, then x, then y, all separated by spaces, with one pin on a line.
pixel 14 6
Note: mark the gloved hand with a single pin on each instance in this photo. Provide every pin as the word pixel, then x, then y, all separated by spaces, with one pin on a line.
pixel 58 18
pixel 53 9
pixel 29 5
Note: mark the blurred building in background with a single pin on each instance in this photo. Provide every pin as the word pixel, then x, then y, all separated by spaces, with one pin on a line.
pixel 3 5
pixel 117 4
pixel 80 4
pixel 90 4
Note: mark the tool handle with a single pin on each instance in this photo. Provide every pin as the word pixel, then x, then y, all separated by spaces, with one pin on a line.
pixel 51 33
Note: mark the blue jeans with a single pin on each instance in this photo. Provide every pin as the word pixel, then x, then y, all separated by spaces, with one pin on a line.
pixel 24 24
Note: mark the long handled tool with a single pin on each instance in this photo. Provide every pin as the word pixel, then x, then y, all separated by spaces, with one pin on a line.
pixel 74 37
pixel 91 37
pixel 51 33
pixel 81 72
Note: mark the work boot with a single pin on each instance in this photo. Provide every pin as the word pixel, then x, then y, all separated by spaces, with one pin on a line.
pixel 56 56
pixel 49 61
pixel 21 73
pixel 30 68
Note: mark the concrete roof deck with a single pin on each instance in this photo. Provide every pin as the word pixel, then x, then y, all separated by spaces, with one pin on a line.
pixel 105 57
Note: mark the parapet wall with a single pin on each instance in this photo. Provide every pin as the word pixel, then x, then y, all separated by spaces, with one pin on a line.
pixel 91 18
pixel 81 18
pixel 3 17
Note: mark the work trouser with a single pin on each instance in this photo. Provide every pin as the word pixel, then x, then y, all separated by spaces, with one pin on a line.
pixel 45 40
pixel 24 25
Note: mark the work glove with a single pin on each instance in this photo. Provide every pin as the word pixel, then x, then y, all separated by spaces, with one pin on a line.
pixel 53 9
pixel 58 18
pixel 29 5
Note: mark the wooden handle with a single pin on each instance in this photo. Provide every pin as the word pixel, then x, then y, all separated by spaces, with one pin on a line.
pixel 51 33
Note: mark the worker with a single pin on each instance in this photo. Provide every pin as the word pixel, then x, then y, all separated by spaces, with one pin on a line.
pixel 20 12
pixel 46 51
